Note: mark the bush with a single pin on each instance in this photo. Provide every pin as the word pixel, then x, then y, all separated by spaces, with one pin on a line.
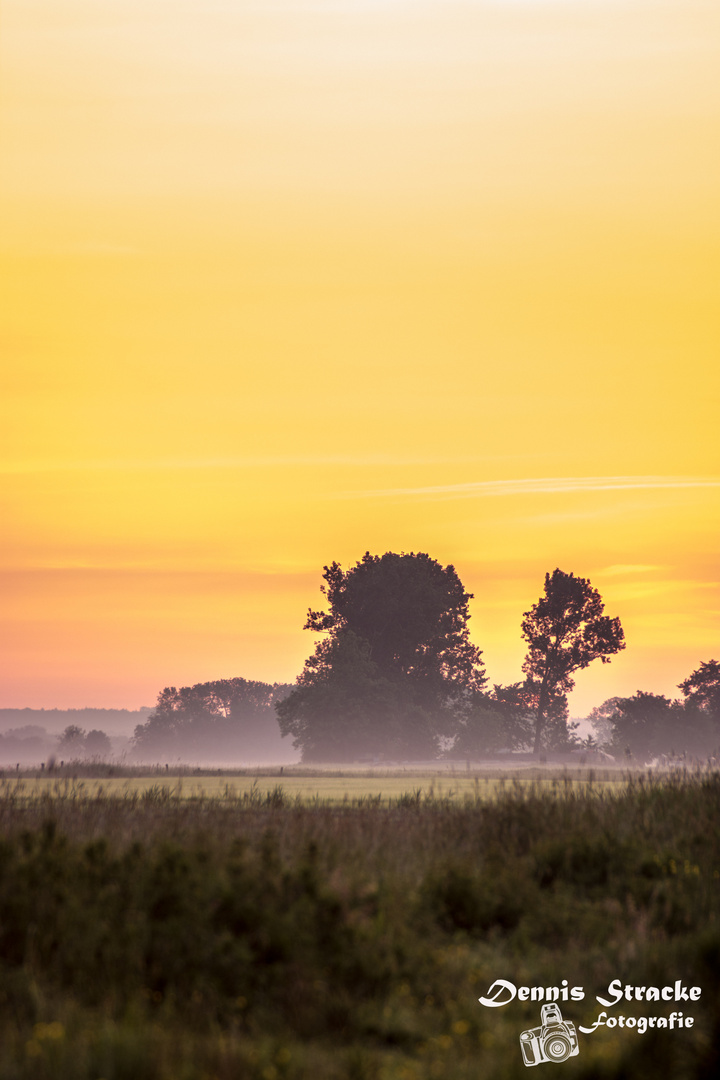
pixel 267 939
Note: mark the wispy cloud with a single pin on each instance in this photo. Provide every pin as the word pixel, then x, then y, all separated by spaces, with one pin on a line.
pixel 556 485
pixel 619 569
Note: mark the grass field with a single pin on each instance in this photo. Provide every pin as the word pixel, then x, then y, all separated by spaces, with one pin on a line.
pixel 239 931
pixel 335 785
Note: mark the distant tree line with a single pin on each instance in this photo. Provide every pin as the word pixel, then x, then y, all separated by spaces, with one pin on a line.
pixel 56 720
pixel 647 726
pixel 76 743
pixel 228 719
pixel 394 675
pixel 34 743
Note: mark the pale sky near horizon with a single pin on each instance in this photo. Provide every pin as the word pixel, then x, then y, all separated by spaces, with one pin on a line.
pixel 287 281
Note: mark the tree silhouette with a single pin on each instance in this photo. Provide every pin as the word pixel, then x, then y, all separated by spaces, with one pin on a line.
pixel 72 741
pixel 701 689
pixel 499 720
pixel 212 719
pixel 565 631
pixel 97 745
pixel 339 702
pixel 396 660
pixel 647 725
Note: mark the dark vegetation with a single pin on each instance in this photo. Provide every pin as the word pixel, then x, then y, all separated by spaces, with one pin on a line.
pixel 56 720
pixel 75 742
pixel 213 721
pixel 565 631
pixel 152 937
pixel 395 677
pixel 650 727
pixel 397 673
pixel 395 668
pixel 34 735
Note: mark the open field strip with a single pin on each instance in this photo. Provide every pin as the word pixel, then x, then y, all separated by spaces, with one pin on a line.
pixel 308 787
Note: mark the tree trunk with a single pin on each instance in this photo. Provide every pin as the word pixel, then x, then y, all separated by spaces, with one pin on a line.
pixel 540 718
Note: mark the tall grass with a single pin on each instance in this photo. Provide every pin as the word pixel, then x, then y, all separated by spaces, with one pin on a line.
pixel 256 935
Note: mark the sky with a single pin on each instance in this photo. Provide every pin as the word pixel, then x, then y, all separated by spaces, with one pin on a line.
pixel 286 281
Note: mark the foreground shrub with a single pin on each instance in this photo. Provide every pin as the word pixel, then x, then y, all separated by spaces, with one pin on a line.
pixel 265 939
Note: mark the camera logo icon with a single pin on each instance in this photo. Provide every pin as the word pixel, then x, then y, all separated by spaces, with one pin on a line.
pixel 555 1039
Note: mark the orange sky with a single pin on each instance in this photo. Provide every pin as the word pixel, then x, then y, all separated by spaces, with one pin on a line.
pixel 284 281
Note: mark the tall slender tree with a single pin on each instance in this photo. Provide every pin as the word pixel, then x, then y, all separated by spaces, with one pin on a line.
pixel 566 630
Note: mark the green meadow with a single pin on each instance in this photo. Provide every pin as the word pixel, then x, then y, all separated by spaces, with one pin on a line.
pixel 284 927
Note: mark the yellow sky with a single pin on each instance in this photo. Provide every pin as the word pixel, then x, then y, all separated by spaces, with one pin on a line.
pixel 286 281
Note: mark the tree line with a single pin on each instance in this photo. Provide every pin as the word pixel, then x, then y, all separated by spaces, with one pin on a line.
pixel 649 725
pixel 395 675
pixel 231 719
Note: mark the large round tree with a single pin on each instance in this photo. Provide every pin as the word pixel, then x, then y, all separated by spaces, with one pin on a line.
pixel 395 664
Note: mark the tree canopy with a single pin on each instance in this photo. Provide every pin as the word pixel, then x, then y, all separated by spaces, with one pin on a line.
pixel 701 689
pixel 500 720
pixel 76 743
pixel 396 659
pixel 98 745
pixel 566 630
pixel 225 718
pixel 647 726
pixel 72 741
